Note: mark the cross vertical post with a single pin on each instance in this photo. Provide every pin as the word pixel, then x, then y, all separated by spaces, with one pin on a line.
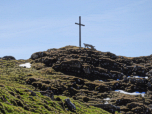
pixel 80 30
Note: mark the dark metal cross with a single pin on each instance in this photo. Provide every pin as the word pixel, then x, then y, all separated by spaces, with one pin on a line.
pixel 80 30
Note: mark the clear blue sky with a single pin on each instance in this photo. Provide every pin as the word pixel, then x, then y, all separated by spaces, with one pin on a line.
pixel 123 27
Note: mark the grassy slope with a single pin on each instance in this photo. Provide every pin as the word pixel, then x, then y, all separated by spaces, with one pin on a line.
pixel 12 80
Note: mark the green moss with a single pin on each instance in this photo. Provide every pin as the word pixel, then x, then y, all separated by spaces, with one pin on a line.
pixel 14 80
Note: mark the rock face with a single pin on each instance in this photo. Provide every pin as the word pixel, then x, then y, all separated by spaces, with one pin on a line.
pixel 80 65
pixel 71 106
pixel 34 56
pixel 92 64
pixel 37 55
pixel 8 58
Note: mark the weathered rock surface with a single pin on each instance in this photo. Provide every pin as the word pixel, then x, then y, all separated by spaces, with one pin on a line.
pixel 71 106
pixel 8 58
pixel 83 68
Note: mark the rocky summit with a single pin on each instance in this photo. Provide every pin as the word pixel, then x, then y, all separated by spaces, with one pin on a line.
pixel 77 80
pixel 8 58
pixel 94 75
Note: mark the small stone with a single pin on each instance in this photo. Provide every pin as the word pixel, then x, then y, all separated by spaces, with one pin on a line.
pixel 33 94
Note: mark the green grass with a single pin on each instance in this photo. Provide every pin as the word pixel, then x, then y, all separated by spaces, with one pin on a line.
pixel 12 80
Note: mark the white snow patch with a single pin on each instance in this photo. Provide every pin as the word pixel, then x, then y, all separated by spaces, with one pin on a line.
pixel 134 93
pixel 106 99
pixel 106 102
pixel 27 65
pixel 146 77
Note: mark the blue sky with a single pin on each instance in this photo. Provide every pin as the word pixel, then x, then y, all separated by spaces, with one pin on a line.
pixel 123 27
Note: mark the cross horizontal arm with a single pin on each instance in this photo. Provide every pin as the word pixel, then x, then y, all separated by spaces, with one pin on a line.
pixel 79 24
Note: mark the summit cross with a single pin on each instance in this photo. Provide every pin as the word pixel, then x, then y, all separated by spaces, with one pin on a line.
pixel 80 30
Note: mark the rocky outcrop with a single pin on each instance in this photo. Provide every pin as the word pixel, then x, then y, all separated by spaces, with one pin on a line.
pixel 94 75
pixel 8 58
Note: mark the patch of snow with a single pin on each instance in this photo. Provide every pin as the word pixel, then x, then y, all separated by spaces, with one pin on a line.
pixel 146 77
pixel 27 65
pixel 106 102
pixel 106 99
pixel 134 93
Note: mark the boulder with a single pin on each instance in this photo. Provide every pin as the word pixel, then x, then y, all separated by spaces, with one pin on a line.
pixel 8 58
pixel 34 56
pixel 70 105
pixel 33 94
